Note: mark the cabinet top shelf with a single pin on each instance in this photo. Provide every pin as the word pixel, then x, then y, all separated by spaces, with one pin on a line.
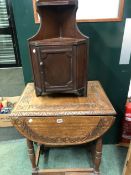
pixel 58 41
pixel 56 2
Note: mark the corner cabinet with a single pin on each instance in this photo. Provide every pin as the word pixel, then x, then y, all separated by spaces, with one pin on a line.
pixel 59 52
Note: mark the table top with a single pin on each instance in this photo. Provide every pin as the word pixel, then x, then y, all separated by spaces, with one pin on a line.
pixel 96 103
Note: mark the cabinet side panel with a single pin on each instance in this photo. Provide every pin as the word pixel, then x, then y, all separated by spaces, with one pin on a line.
pixel 36 69
pixel 82 57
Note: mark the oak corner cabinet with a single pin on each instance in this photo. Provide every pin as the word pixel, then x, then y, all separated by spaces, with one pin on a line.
pixel 59 52
pixel 53 121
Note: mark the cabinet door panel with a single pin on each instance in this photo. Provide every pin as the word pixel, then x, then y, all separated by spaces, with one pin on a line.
pixel 57 68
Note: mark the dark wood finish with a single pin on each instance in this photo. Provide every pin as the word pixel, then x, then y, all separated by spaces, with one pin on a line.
pixel 98 155
pixel 31 153
pixel 59 52
pixel 35 160
pixel 61 131
pixel 95 104
pixel 96 150
pixel 62 121
pixel 65 172
pixel 67 121
pixel 38 154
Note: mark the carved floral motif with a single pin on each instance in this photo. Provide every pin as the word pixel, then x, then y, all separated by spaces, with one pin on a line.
pixel 96 104
pixel 103 125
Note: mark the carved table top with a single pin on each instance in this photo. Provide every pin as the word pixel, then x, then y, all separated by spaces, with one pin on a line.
pixel 96 103
pixel 59 121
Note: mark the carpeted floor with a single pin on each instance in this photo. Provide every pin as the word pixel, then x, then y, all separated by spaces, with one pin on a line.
pixel 11 82
pixel 14 158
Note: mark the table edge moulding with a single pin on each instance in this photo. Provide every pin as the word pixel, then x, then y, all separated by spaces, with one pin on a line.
pixel 57 105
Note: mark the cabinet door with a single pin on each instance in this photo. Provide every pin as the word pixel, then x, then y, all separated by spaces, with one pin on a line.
pixel 57 67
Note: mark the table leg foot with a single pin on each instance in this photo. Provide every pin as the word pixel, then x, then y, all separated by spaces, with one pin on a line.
pixel 98 156
pixel 32 157
pixel 96 173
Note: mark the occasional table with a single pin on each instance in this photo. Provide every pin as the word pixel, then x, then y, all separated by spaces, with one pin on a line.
pixel 55 121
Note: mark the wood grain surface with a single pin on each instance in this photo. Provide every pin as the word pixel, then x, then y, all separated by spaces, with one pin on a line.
pixel 63 121
pixel 59 51
pixel 66 130
pixel 96 103
pixel 56 120
pixel 66 172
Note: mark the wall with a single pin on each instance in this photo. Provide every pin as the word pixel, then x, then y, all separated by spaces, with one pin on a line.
pixel 105 46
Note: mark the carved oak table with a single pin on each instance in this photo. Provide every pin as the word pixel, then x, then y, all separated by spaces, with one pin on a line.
pixel 64 121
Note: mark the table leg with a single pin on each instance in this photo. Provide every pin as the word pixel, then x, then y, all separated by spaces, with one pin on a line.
pixel 98 155
pixel 31 153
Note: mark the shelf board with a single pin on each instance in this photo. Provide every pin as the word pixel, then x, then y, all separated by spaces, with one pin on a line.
pixel 58 41
pixel 56 3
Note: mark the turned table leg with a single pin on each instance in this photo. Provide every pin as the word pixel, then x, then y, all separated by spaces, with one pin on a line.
pixel 31 153
pixel 98 155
